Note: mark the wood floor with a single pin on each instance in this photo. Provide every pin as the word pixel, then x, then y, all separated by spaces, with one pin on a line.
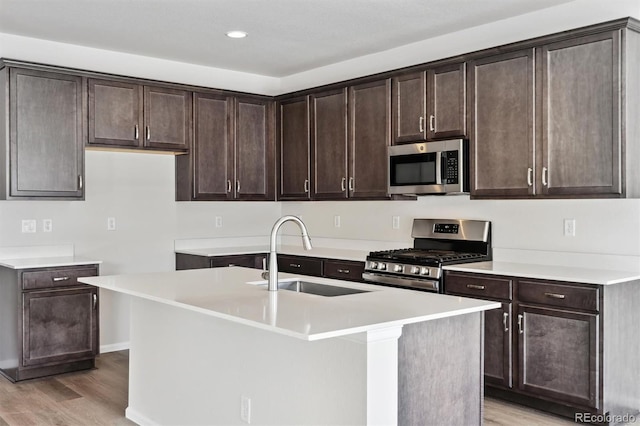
pixel 99 397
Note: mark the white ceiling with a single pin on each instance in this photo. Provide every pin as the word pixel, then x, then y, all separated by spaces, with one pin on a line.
pixel 285 36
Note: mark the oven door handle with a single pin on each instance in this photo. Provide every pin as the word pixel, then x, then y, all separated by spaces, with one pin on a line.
pixel 439 168
pixel 432 285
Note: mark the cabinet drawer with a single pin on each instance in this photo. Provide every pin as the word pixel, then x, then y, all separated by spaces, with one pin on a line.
pixel 300 265
pixel 343 270
pixel 555 294
pixel 478 286
pixel 56 277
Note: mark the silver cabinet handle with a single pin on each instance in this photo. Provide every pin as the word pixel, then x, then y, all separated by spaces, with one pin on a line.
pixel 530 176
pixel 95 301
pixel 421 124
pixel 555 295
pixel 432 126
pixel 136 133
pixel 350 184
pixel 229 185
pixel 343 271
pixel 148 132
pixel 343 184
pixel 505 321
pixel 306 185
pixel 520 324
pixel 545 175
pixel 80 182
pixel 295 265
pixel 238 186
pixel 475 286
pixel 58 279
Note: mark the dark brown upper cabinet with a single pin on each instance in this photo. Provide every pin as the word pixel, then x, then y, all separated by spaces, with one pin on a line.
pixel 329 142
pixel 429 105
pixel 548 121
pixel 129 115
pixel 501 118
pixel 45 129
pixel 294 150
pixel 232 156
pixel 446 101
pixel 369 138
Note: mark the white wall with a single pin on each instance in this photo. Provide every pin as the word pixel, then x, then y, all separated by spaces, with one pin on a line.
pixel 138 189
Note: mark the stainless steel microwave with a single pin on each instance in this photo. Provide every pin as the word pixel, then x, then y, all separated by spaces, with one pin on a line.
pixel 429 168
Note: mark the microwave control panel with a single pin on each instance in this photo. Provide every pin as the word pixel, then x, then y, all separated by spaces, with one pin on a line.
pixel 451 167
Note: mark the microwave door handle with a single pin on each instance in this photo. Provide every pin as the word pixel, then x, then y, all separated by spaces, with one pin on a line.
pixel 439 168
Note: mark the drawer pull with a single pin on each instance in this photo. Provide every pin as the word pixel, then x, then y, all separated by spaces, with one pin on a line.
pixel 505 321
pixel 343 271
pixel 57 279
pixel 475 286
pixel 555 295
pixel 520 324
pixel 295 265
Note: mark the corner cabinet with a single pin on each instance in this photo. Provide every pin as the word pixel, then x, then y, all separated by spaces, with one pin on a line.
pixel 129 115
pixel 549 121
pixel 233 151
pixel 49 321
pixel 43 156
pixel 570 353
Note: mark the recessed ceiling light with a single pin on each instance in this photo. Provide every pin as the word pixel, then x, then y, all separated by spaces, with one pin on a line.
pixel 236 34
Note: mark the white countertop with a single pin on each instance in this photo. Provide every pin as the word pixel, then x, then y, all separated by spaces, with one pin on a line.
pixel 228 293
pixel 322 252
pixel 47 262
pixel 548 272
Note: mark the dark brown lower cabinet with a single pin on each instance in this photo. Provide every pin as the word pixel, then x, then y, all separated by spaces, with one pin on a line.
pixel 571 352
pixel 49 322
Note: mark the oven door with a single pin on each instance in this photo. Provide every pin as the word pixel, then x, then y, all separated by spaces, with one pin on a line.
pixel 403 282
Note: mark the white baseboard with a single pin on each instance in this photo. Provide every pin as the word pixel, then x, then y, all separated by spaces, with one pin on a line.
pixel 121 346
pixel 138 418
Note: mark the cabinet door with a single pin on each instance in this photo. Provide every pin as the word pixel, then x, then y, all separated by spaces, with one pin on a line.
pixel 46 134
pixel 581 97
pixel 447 97
pixel 501 119
pixel 329 141
pixel 294 150
pixel 254 160
pixel 115 113
pixel 409 104
pixel 59 326
pixel 212 148
pixel 498 346
pixel 167 118
pixel 369 139
pixel 558 354
pixel 300 265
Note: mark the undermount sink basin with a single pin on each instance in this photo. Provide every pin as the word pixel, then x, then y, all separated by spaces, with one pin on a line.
pixel 318 289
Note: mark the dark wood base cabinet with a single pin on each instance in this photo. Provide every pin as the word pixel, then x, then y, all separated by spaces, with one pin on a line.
pixel 576 347
pixel 48 321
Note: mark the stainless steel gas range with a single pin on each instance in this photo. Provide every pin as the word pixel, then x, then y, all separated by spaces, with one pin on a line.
pixel 437 242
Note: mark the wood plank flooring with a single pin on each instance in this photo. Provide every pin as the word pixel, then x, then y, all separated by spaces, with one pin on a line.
pixel 99 397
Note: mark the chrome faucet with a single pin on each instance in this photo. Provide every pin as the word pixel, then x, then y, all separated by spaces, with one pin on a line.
pixel 273 255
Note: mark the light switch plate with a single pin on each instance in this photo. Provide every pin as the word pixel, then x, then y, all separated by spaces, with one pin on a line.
pixel 218 221
pixel 29 226
pixel 395 222
pixel 47 225
pixel 569 227
pixel 111 224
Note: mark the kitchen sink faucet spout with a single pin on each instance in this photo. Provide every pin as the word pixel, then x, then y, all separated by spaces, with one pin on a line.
pixel 273 255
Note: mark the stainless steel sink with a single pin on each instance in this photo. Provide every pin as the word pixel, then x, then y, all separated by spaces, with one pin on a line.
pixel 318 289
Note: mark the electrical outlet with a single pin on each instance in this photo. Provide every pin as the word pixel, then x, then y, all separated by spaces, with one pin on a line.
pixel 569 227
pixel 395 223
pixel 111 224
pixel 29 226
pixel 218 221
pixel 336 221
pixel 47 225
pixel 245 409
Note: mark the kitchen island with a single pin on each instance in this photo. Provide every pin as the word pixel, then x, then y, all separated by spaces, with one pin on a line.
pixel 213 346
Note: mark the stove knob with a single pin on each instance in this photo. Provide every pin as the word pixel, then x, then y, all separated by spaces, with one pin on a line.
pixel 415 269
pixel 373 265
pixel 397 268
pixel 425 271
pixel 382 266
